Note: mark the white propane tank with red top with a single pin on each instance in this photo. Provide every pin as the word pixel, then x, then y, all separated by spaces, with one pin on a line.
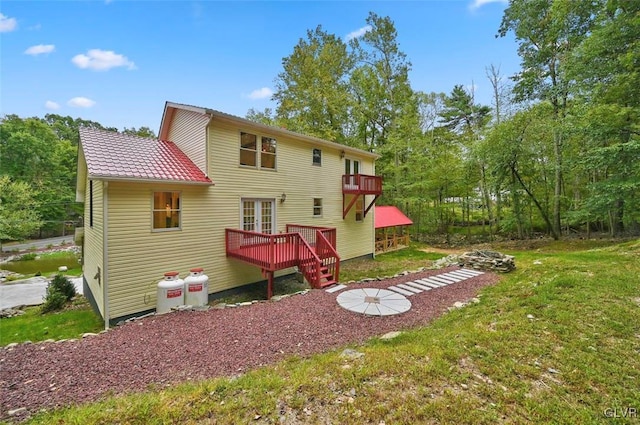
pixel 196 288
pixel 170 292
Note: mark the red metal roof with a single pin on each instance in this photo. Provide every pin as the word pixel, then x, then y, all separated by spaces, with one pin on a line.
pixel 390 216
pixel 112 155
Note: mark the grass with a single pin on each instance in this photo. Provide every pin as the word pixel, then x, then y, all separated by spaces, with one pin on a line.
pixel 46 264
pixel 33 326
pixel 556 341
pixel 411 258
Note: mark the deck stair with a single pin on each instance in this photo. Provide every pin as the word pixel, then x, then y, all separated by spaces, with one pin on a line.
pixel 310 249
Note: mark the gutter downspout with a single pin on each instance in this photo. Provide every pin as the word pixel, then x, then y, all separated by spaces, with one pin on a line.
pixel 210 113
pixel 105 252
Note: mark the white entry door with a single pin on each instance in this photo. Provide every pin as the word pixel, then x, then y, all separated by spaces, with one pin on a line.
pixel 258 215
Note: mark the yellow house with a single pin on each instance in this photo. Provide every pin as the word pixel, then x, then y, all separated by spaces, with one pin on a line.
pixel 242 200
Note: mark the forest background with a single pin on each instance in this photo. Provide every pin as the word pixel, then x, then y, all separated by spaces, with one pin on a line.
pixel 557 152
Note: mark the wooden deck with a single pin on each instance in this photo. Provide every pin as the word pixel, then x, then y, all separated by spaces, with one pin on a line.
pixel 311 249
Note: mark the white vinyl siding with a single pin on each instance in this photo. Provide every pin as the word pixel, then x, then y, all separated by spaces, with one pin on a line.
pixel 187 131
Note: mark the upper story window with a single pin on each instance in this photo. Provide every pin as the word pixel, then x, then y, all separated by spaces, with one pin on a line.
pixel 166 210
pixel 268 154
pixel 317 157
pixel 251 144
pixel 248 149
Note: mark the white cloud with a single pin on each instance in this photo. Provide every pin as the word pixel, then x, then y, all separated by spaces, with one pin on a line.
pixel 102 60
pixel 40 49
pixel 263 93
pixel 7 24
pixel 358 33
pixel 49 104
pixel 476 4
pixel 81 102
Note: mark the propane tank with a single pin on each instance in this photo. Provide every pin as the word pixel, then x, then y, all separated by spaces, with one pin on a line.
pixel 170 293
pixel 196 288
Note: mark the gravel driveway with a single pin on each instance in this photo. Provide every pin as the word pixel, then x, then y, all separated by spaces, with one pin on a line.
pixel 191 345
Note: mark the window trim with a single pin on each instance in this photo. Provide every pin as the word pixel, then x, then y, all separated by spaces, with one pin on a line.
pixel 255 151
pixel 313 157
pixel 359 203
pixel 90 203
pixel 321 206
pixel 258 152
pixel 154 210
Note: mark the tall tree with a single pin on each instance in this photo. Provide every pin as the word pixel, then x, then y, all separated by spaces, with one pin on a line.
pixel 380 83
pixel 312 91
pixel 605 66
pixel 18 210
pixel 547 31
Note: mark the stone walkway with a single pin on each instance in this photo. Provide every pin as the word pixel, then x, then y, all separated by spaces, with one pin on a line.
pixel 381 302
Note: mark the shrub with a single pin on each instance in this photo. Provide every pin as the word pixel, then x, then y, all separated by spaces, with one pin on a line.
pixel 63 285
pixel 28 257
pixel 54 300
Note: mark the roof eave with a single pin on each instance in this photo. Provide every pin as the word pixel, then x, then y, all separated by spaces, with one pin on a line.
pixel 289 133
pixel 107 177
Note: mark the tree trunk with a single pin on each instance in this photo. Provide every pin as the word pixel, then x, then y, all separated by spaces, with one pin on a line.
pixel 557 193
pixel 538 206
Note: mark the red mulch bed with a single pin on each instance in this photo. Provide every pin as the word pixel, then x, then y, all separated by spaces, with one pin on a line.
pixel 192 345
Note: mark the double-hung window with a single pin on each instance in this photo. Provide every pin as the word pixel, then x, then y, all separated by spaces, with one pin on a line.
pixel 317 207
pixel 166 210
pixel 317 157
pixel 257 151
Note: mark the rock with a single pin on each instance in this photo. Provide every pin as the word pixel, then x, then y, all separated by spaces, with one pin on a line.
pixel 88 334
pixel 530 316
pixel 10 312
pixel 244 304
pixel 391 335
pixel 62 269
pixel 351 354
pixel 447 261
pixel 16 412
pixel 487 260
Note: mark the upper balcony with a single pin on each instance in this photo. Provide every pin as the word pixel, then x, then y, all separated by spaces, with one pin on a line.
pixel 361 184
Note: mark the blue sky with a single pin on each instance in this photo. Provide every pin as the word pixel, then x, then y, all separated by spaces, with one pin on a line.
pixel 117 61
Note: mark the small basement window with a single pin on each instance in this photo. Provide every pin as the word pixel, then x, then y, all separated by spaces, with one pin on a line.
pixel 317 157
pixel 317 207
pixel 166 210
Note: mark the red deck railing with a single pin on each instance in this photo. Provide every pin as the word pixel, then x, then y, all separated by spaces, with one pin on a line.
pixel 361 184
pixel 310 248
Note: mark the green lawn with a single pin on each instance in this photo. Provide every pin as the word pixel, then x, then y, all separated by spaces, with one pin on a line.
pixel 556 341
pixel 33 326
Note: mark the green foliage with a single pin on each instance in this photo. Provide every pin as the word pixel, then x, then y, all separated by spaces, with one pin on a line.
pixel 546 344
pixel 54 300
pixel 63 285
pixel 34 326
pixel 312 91
pixel 29 256
pixel 18 210
pixel 59 292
